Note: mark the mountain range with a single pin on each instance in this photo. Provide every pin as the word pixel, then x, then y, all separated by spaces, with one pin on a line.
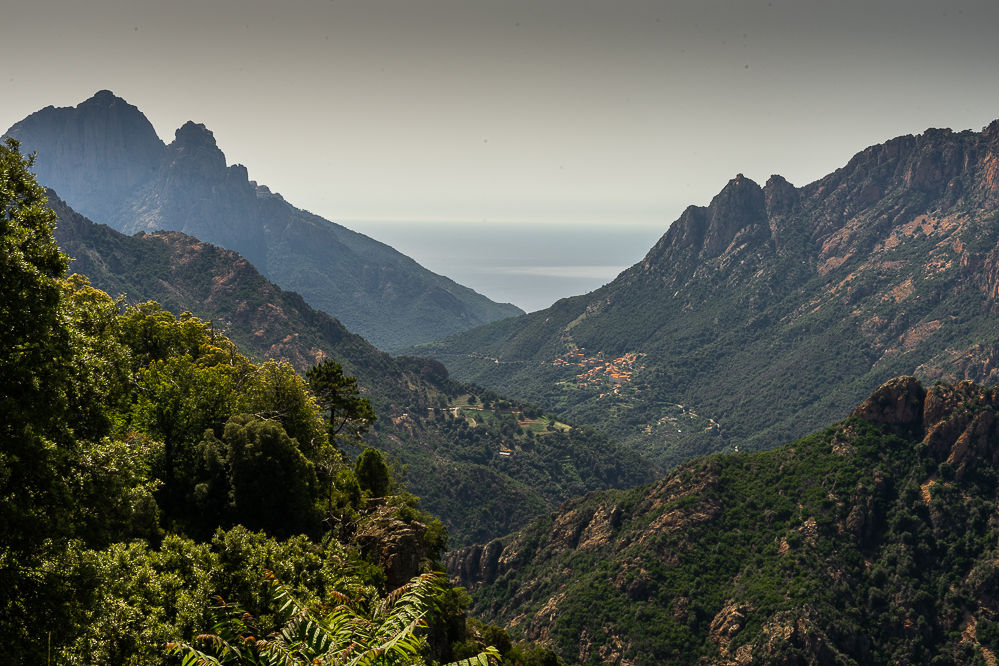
pixel 754 321
pixel 106 160
pixel 772 311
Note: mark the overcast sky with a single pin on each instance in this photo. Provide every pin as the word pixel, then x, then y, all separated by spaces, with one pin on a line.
pixel 514 110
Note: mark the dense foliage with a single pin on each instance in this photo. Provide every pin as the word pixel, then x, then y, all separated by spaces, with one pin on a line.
pixel 147 465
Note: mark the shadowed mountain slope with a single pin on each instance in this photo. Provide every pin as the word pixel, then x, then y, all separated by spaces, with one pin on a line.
pixel 104 157
pixel 774 309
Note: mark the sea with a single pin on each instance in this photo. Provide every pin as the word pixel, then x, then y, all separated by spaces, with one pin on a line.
pixel 531 265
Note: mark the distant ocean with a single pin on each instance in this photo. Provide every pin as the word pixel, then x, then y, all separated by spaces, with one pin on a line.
pixel 529 265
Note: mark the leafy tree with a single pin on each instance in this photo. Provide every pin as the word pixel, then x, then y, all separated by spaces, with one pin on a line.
pixel 178 400
pixel 275 391
pixel 35 362
pixel 154 334
pixel 255 476
pixel 187 377
pixel 372 473
pixel 61 476
pixel 99 373
pixel 348 414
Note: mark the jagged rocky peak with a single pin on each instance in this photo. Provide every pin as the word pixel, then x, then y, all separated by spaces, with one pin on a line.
pixel 194 149
pixel 739 208
pixel 264 192
pixel 93 154
pixel 194 191
pixel 736 216
pixel 195 135
pixel 780 196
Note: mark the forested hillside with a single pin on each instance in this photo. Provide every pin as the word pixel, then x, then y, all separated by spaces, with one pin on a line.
pixel 162 495
pixel 873 541
pixel 773 310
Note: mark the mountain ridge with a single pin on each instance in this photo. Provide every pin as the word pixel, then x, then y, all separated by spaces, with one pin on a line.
pixel 774 309
pixel 105 159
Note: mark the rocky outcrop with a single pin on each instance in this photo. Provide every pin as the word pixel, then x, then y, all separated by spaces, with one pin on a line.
pixel 984 271
pixel 791 638
pixel 727 624
pixel 474 565
pixel 396 546
pixel 897 404
pixel 956 422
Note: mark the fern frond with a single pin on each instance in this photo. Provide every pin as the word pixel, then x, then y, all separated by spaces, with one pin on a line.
pixel 481 659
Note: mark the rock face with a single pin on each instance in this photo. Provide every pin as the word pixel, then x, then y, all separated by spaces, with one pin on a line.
pixel 95 154
pixel 774 310
pixel 394 545
pixel 897 404
pixel 194 192
pixel 727 624
pixel 826 551
pixel 105 160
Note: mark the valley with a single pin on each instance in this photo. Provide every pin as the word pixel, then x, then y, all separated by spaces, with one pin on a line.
pixel 643 474
pixel 774 309
pixel 461 474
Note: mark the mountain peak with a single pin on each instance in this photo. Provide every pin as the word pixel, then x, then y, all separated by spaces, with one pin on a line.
pixel 195 154
pixel 195 135
pixel 104 96
pixel 94 154
pixel 740 205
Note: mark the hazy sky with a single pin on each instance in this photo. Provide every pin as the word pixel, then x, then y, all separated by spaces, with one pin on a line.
pixel 512 110
pixel 516 110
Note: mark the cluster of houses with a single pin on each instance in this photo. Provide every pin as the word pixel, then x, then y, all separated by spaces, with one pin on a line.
pixel 597 370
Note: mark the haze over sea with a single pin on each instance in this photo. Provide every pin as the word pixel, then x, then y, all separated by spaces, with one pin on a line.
pixel 527 264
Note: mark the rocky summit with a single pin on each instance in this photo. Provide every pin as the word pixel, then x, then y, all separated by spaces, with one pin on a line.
pixel 105 159
pixel 874 541
pixel 773 310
